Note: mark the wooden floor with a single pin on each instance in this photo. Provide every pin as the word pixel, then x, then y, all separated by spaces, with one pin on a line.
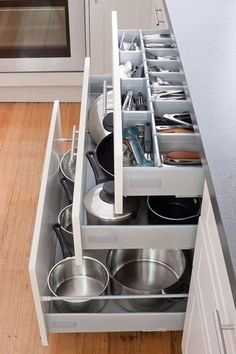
pixel 23 137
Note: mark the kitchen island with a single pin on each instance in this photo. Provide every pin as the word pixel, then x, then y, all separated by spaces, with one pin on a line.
pixel 205 33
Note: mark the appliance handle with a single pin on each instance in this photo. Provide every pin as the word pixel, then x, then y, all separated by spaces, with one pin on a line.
pixel 220 328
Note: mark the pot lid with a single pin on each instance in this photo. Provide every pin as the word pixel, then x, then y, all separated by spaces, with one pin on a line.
pixel 67 166
pixel 99 202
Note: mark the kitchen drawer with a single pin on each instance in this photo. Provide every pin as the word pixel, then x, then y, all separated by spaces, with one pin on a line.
pixel 160 179
pixel 140 234
pixel 93 240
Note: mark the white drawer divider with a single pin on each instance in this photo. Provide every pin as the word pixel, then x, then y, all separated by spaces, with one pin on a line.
pixel 118 149
pixel 77 214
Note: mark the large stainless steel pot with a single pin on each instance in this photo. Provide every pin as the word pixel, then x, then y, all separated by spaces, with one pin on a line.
pixel 144 272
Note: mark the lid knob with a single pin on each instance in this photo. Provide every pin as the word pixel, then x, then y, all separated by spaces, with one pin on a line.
pixel 107 193
pixel 108 122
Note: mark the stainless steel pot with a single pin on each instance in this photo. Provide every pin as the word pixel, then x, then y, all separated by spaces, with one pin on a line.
pixel 144 272
pixel 68 279
pixel 65 223
pixel 68 167
pixel 99 205
pixel 100 121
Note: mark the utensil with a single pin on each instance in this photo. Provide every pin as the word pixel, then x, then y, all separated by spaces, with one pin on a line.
pixel 144 272
pixel 156 82
pixel 91 278
pixel 140 105
pixel 138 71
pixel 154 36
pixel 147 141
pixel 150 55
pixel 159 69
pixel 128 102
pixel 181 158
pixel 183 118
pixel 174 129
pixel 169 95
pixel 130 134
pixel 158 45
pixel 173 210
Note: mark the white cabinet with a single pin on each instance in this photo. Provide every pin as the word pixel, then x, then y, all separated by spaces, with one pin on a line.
pixel 210 318
pixel 131 14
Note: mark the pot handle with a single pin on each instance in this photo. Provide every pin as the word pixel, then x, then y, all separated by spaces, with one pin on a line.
pixel 65 250
pixel 98 173
pixel 66 188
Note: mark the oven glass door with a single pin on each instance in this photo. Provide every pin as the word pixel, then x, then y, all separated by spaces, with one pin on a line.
pixel 42 35
pixel 39 30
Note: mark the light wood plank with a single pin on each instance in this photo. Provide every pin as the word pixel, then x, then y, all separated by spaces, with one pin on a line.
pixel 23 138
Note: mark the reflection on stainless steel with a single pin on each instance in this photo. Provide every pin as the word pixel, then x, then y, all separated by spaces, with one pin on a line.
pixel 144 272
pixel 68 279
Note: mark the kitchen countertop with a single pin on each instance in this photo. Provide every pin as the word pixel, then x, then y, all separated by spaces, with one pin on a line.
pixel 205 33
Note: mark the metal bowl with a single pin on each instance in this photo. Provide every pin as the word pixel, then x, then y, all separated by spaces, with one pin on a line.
pixel 89 279
pixel 144 272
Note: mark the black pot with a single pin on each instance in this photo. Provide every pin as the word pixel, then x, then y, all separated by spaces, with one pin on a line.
pixel 172 210
pixel 103 159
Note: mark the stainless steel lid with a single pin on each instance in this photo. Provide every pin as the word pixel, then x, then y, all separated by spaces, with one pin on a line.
pixel 99 202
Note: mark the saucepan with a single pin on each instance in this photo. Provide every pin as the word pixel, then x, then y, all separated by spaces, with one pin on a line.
pixel 173 210
pixel 100 121
pixel 68 167
pixel 145 272
pixel 91 278
pixel 65 224
pixel 103 159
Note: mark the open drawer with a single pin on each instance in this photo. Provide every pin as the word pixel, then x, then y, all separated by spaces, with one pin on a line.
pixel 87 236
pixel 160 179
pixel 94 240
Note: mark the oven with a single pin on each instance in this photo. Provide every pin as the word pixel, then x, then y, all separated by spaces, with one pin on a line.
pixel 42 35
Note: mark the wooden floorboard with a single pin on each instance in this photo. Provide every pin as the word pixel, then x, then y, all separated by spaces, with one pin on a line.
pixel 23 138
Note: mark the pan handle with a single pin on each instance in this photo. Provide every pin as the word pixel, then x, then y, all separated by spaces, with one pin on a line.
pixel 66 188
pixel 98 173
pixel 65 250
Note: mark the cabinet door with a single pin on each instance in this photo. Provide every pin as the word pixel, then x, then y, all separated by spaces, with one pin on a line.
pixel 206 308
pixel 194 339
pixel 131 15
